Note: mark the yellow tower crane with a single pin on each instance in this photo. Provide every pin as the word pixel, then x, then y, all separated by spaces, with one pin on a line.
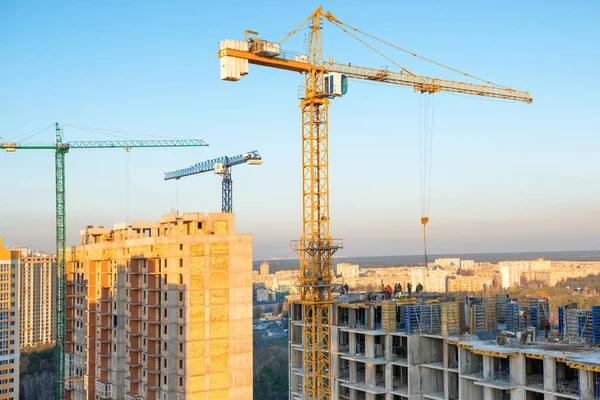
pixel 325 80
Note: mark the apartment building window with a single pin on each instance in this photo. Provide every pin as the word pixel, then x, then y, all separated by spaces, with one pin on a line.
pixel 181 347
pixel 181 330
pixel 165 363
pixel 165 379
pixel 181 381
pixel 165 329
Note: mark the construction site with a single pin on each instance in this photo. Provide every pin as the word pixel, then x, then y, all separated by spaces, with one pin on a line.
pixel 445 348
pixel 163 310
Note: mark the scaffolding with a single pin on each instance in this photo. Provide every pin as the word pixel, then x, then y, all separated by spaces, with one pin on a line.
pixel 501 302
pixel 482 318
pixel 388 316
pixel 450 319
pixel 578 324
pixel 423 319
pixel 539 313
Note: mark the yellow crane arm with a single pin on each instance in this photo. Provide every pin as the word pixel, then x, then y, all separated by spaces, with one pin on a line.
pixel 419 83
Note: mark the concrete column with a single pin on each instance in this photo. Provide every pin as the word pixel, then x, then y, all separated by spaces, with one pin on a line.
pixel 389 351
pixel 353 371
pixel 488 393
pixel 518 394
pixel 446 382
pixel 369 396
pixel 173 315
pixel 517 370
pixel 586 385
pixel 352 343
pixel 334 368
pixel 121 300
pixel 369 346
pixel 487 368
pixel 389 377
pixel 370 375
pixel 371 317
pixel 352 316
pixel 334 335
pixel 445 349
pixel 462 362
pixel 414 381
pixel 549 374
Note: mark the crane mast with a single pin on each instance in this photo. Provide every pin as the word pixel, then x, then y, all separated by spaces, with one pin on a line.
pixel 316 246
pixel 324 80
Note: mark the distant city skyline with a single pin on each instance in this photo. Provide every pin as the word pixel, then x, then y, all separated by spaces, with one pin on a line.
pixel 506 177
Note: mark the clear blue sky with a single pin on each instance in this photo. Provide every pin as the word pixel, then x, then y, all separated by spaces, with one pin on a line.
pixel 506 176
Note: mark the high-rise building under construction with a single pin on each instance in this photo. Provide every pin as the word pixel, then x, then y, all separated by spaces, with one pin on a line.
pixel 37 300
pixel 160 310
pixel 9 323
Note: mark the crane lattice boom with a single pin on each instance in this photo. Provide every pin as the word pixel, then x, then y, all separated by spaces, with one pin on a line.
pixel 209 165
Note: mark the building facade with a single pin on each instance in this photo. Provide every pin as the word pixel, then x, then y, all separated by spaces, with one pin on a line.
pixel 38 293
pixel 383 350
pixel 467 265
pixel 160 311
pixel 418 275
pixel 9 323
pixel 510 275
pixel 447 262
pixel 264 268
pixel 348 271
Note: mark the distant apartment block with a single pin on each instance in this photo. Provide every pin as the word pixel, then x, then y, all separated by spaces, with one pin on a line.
pixel 467 265
pixel 38 292
pixel 263 295
pixel 264 268
pixel 418 275
pixel 436 281
pixel 447 262
pixel 347 271
pixel 510 275
pixel 160 311
pixel 9 323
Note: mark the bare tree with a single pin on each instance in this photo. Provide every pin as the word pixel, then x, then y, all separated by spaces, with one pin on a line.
pixel 38 387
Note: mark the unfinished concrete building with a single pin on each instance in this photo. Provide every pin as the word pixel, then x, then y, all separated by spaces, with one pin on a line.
pixel 9 323
pixel 38 293
pixel 445 348
pixel 160 311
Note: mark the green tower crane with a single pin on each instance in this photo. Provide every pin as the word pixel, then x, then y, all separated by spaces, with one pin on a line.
pixel 60 150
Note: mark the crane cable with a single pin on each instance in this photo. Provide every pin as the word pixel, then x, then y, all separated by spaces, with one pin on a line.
pixel 427 103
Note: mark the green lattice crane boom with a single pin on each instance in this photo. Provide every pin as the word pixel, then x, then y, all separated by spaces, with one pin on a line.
pixel 61 149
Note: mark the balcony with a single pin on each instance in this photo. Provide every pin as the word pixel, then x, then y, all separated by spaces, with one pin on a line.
pixel 104 389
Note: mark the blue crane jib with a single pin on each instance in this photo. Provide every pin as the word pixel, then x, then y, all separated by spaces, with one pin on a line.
pixel 221 166
pixel 217 165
